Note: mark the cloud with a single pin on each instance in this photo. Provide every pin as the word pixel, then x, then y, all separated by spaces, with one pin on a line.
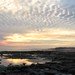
pixel 9 5
pixel 58 8
pixel 46 37
pixel 37 22
pixel 35 14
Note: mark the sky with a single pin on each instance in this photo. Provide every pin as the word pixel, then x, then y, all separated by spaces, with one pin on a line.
pixel 36 24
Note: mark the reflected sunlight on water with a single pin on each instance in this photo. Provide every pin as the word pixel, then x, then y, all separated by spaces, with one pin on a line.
pixel 28 61
pixel 16 61
pixel 19 61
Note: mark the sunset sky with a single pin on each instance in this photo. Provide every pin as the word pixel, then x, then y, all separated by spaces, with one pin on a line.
pixel 36 24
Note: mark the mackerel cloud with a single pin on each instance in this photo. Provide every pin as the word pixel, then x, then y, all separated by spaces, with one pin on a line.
pixel 36 14
pixel 23 17
pixel 61 8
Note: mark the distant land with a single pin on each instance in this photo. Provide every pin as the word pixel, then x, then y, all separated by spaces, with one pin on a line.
pixel 65 49
pixel 60 49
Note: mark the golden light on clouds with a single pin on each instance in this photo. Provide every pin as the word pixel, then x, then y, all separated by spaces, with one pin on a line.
pixel 15 38
pixel 56 37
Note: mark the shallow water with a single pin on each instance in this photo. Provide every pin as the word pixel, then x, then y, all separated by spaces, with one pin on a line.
pixel 12 61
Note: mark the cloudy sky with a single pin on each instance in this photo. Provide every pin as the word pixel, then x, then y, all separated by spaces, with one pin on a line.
pixel 31 24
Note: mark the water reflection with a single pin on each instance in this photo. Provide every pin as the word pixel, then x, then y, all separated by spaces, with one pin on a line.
pixel 28 60
pixel 12 61
pixel 15 61
pixel 19 61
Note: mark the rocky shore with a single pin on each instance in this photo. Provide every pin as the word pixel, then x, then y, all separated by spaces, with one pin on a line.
pixel 49 68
